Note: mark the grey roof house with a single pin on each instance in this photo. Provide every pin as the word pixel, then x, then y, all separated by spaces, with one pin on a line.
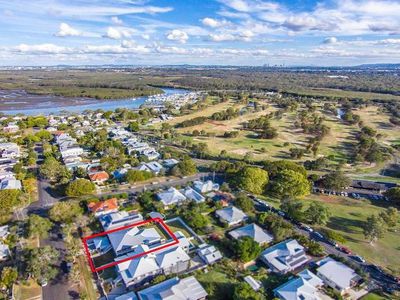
pixel 285 256
pixel 253 231
pixel 231 215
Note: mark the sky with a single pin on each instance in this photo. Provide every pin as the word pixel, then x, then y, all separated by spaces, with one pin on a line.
pixel 199 32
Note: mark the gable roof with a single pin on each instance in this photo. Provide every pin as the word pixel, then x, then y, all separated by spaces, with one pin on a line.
pixel 174 289
pixel 337 272
pixel 171 196
pixel 231 214
pixel 133 237
pixel 99 176
pixel 254 231
pixel 192 194
pixel 106 205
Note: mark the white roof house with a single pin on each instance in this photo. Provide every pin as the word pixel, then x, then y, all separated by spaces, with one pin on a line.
pixel 4 231
pixel 4 251
pixel 285 256
pixel 175 289
pixel 304 287
pixel 169 163
pixel 191 194
pixel 205 186
pixel 124 241
pixel 209 254
pixel 171 196
pixel 154 167
pixel 254 231
pixel 165 261
pixel 337 275
pixel 255 284
pixel 6 175
pixel 231 215
pixel 10 184
pixel 118 219
pixel 9 150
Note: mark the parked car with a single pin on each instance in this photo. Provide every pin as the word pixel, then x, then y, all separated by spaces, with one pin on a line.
pixel 307 228
pixel 332 243
pixel 358 258
pixel 344 249
pixel 318 235
pixel 375 269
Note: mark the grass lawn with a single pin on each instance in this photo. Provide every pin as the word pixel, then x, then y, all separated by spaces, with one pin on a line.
pixel 177 226
pixel 348 217
pixel 373 296
pixel 223 284
pixel 86 275
pixel 30 290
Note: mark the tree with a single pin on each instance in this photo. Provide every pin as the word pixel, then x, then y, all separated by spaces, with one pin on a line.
pixel 291 184
pixel 246 248
pixel 80 187
pixel 51 169
pixel 335 181
pixel 133 176
pixel 252 179
pixel 9 199
pixel 65 212
pixel 317 214
pixel 275 167
pixel 390 216
pixel 185 167
pixel 39 226
pixel 8 277
pixel 243 291
pixel 374 228
pixel 133 126
pixel 393 195
pixel 280 228
pixel 41 263
pixel 196 220
pixel 244 202
pixel 293 208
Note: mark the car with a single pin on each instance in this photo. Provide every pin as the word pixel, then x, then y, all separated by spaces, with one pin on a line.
pixel 332 243
pixel 43 283
pixel 374 268
pixel 358 258
pixel 307 228
pixel 393 278
pixel 344 249
pixel 318 235
pixel 281 213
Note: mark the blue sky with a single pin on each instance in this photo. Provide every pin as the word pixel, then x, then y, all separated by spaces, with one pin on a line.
pixel 235 32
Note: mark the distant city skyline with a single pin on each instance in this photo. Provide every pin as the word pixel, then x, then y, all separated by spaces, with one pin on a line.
pixel 208 32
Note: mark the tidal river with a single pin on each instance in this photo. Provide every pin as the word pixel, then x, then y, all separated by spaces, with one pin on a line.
pixel 18 102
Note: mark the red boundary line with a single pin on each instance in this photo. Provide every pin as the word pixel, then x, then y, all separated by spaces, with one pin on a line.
pixel 156 220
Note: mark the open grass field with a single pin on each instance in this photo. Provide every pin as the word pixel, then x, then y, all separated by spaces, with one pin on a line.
pixel 27 291
pixel 338 145
pixel 348 217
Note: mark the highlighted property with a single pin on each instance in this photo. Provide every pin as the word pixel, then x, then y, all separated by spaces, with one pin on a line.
pixel 112 247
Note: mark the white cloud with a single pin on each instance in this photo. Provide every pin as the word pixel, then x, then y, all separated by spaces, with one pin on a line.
pixel 67 30
pixel 330 40
pixel 117 33
pixel 116 20
pixel 214 23
pixel 41 49
pixel 178 35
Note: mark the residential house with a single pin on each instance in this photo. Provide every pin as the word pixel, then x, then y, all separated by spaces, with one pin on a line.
pixel 9 150
pixel 337 275
pixel 125 241
pixel 209 254
pixel 306 286
pixel 171 197
pixel 103 207
pixel 119 219
pixel 253 231
pixel 4 249
pixel 205 186
pixel 231 215
pixel 171 260
pixel 193 195
pixel 10 184
pixel 11 128
pixel 255 284
pixel 285 256
pixel 99 177
pixel 174 289
pixel 6 175
pixel 169 163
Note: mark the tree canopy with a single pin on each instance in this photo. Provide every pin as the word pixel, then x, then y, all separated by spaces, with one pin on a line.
pixel 39 226
pixel 246 249
pixel 65 212
pixel 317 214
pixel 41 263
pixel 289 183
pixel 252 179
pixel 80 187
